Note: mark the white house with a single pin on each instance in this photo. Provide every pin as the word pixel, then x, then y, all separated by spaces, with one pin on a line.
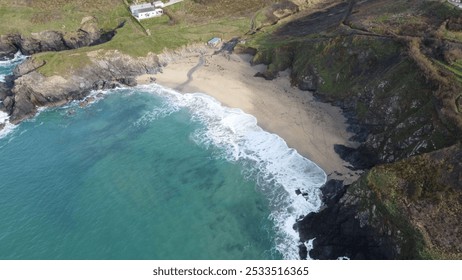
pixel 147 13
pixel 133 8
pixel 147 10
pixel 151 9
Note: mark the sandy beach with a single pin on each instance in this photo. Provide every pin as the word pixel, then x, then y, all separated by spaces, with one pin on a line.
pixel 309 126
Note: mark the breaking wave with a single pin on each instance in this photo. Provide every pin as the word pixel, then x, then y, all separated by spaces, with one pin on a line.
pixel 290 182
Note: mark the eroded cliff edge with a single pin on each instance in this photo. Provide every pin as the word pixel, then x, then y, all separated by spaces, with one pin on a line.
pixel 29 89
pixel 393 70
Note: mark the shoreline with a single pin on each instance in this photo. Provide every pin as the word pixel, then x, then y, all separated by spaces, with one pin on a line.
pixel 309 126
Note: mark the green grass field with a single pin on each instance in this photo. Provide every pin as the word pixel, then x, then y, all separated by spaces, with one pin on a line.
pixel 191 21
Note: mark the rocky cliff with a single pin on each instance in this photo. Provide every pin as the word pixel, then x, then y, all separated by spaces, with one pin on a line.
pixel 392 71
pixel 107 69
pixel 88 34
pixel 410 209
pixel 28 88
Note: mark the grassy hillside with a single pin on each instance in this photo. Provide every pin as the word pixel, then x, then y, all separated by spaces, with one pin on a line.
pixel 188 22
pixel 26 16
pixel 419 200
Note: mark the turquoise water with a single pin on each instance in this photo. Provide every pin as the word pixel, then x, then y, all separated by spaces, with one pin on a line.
pixel 147 173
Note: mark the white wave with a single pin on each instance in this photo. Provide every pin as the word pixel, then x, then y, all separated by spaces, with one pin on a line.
pixel 17 58
pixel 309 247
pixel 154 114
pixel 11 63
pixel 280 171
pixel 8 128
pixel 4 118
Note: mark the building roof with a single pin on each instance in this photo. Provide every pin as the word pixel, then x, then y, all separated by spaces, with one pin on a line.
pixel 214 40
pixel 134 8
pixel 145 10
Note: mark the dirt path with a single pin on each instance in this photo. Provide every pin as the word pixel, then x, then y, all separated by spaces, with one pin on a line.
pixel 190 73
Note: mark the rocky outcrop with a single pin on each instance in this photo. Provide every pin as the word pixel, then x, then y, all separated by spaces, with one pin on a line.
pixel 4 93
pixel 106 70
pixel 392 107
pixel 405 210
pixel 339 232
pixel 7 47
pixel 88 34
pixel 399 87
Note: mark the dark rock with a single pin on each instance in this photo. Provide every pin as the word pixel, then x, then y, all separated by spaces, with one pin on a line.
pixel 309 81
pixel 32 90
pixel 360 158
pixel 129 81
pixel 8 102
pixel 43 41
pixel 21 108
pixel 284 9
pixel 88 34
pixel 86 101
pixel 264 75
pixel 303 251
pixel 4 91
pixel 338 234
pixel 7 47
pixel 99 85
pixel 228 46
pixel 239 49
pixel 332 191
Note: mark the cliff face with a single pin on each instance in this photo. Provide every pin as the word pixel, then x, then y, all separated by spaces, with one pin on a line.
pixel 410 209
pixel 106 70
pixel 394 109
pixel 29 89
pixel 392 71
pixel 88 34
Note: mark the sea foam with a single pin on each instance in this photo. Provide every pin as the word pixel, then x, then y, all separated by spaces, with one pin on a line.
pixel 8 127
pixel 281 172
pixel 6 68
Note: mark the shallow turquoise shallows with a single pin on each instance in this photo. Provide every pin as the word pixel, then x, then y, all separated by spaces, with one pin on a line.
pixel 147 173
